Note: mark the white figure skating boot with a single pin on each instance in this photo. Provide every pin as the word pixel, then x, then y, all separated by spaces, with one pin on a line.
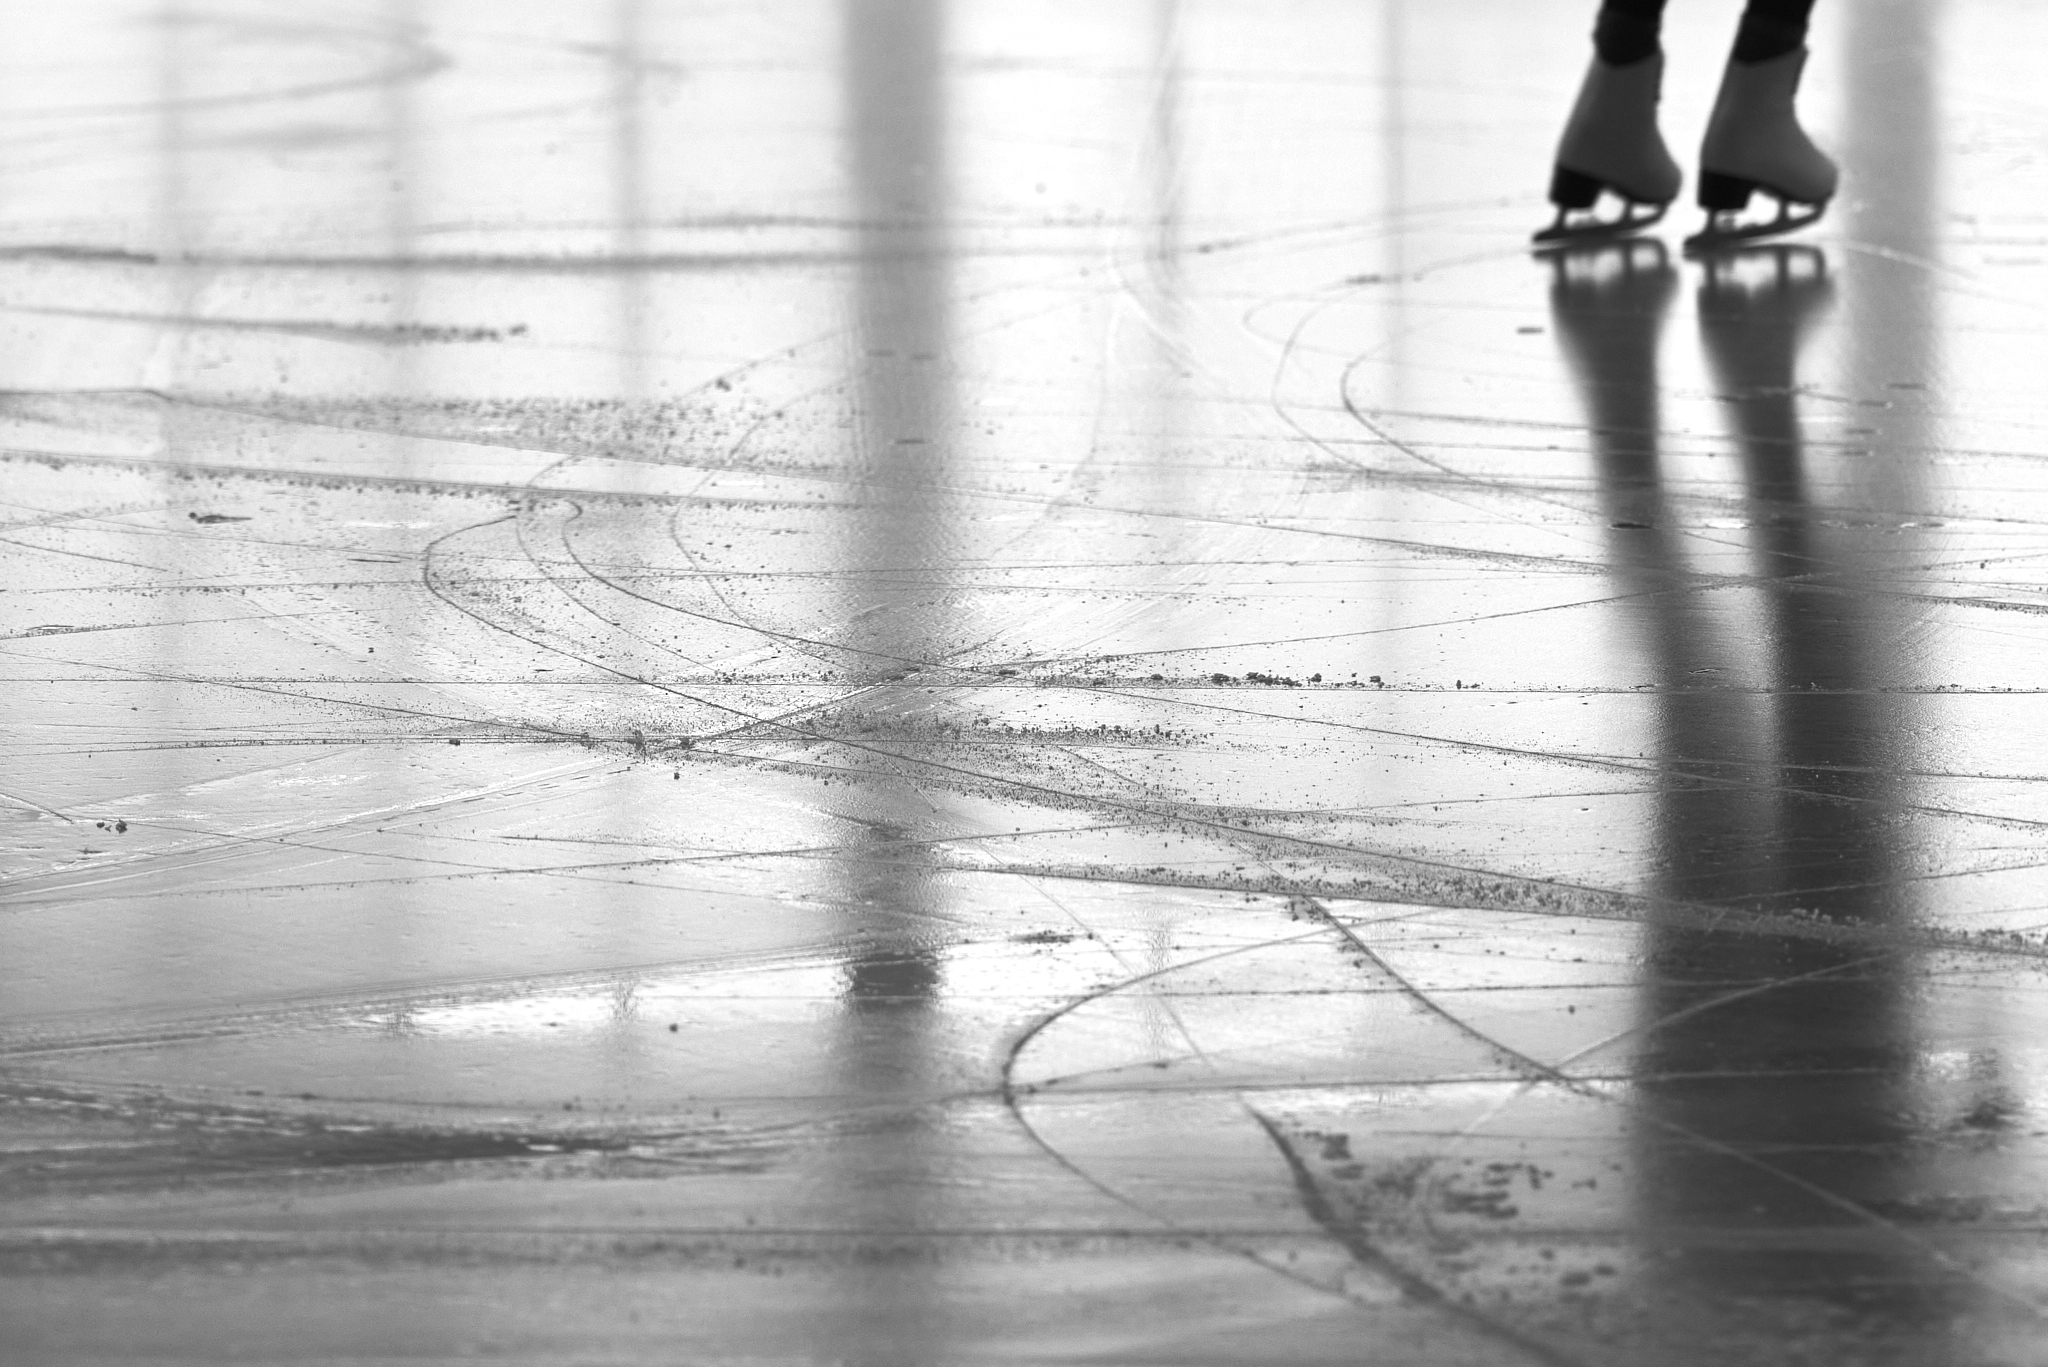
pixel 1754 142
pixel 1611 143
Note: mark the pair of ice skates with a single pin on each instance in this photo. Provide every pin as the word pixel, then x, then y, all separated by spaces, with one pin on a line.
pixel 1753 143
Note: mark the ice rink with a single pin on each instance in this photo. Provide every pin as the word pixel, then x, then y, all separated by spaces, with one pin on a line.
pixel 926 682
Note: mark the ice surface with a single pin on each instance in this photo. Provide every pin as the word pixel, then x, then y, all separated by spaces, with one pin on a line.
pixel 918 682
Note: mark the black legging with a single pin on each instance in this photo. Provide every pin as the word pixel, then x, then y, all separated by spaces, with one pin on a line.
pixel 1627 29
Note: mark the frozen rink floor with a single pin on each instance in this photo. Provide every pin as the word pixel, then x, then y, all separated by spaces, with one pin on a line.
pixel 992 681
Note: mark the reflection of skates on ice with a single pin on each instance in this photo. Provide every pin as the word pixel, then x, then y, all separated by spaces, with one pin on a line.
pixel 1754 142
pixel 1611 144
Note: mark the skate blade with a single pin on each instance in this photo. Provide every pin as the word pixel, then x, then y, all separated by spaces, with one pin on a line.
pixel 1717 235
pixel 1564 232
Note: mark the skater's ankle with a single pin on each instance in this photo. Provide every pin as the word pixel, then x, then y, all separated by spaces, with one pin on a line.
pixel 1622 39
pixel 1763 40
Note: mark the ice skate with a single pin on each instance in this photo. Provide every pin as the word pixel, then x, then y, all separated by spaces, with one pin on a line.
pixel 1754 142
pixel 1611 145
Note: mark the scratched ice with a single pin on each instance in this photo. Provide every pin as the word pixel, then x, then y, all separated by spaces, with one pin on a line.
pixel 938 681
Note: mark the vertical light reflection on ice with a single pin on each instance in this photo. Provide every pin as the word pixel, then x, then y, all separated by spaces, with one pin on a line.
pixel 639 545
pixel 407 929
pixel 176 955
pixel 1890 352
pixel 1158 279
pixel 1392 146
pixel 899 541
pixel 1142 437
pixel 1893 351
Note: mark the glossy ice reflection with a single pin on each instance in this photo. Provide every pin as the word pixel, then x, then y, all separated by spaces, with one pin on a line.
pixel 923 681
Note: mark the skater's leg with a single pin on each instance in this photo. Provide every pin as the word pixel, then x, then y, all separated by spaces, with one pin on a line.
pixel 1627 30
pixel 1771 28
pixel 1754 140
pixel 1611 143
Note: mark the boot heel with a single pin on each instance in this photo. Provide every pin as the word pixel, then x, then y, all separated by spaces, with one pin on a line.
pixel 1571 189
pixel 1721 193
